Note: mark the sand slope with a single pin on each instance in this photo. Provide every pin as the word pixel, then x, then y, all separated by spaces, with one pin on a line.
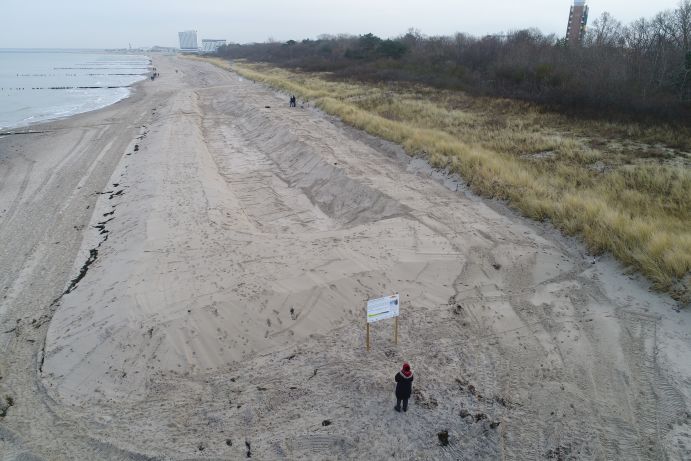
pixel 222 311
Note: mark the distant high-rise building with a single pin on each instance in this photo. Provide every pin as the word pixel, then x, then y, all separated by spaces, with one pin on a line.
pixel 188 40
pixel 210 45
pixel 578 20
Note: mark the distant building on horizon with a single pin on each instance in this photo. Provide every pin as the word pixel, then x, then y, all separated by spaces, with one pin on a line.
pixel 210 45
pixel 578 20
pixel 188 40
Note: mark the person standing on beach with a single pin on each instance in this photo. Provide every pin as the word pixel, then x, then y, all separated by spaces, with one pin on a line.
pixel 404 387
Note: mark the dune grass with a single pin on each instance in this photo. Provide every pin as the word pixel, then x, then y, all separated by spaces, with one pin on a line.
pixel 623 189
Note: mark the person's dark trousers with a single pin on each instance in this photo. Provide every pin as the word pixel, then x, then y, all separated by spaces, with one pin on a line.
pixel 398 404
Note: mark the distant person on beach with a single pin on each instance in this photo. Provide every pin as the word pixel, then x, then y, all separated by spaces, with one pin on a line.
pixel 404 387
pixel 293 101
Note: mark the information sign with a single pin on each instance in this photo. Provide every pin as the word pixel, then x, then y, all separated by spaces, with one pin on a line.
pixel 383 308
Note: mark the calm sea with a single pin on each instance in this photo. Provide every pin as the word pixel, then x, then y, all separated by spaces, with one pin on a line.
pixel 40 85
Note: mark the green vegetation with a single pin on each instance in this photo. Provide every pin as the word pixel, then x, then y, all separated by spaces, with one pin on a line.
pixel 624 188
pixel 637 71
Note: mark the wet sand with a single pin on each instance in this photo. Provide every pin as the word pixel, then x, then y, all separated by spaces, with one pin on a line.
pixel 184 276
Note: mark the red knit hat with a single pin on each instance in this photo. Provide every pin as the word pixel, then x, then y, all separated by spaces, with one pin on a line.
pixel 406 370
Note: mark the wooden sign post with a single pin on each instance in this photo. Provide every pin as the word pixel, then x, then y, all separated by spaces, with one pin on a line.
pixel 383 308
pixel 367 336
pixel 395 331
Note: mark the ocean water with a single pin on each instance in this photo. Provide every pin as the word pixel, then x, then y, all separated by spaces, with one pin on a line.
pixel 40 85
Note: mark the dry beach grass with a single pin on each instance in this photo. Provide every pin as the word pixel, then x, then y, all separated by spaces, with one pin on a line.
pixel 623 188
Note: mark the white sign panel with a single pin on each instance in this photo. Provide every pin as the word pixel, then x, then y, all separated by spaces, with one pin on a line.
pixel 383 308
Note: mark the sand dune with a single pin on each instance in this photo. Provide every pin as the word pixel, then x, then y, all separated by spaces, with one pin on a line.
pixel 231 248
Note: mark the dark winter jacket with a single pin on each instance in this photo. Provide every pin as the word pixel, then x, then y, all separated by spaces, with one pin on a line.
pixel 404 386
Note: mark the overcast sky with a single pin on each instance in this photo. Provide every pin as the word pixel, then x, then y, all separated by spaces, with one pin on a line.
pixel 116 23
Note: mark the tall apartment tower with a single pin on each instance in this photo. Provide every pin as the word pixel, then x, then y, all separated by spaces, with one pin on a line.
pixel 188 40
pixel 578 20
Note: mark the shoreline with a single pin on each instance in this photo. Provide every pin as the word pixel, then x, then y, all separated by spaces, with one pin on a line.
pixel 131 88
pixel 23 125
pixel 58 122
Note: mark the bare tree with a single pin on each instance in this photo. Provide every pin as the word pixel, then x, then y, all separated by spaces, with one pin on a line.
pixel 605 31
pixel 682 25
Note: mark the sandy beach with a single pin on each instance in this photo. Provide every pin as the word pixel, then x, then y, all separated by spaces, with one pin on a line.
pixel 183 275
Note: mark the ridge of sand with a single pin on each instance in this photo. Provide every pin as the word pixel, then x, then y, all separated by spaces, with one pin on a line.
pixel 212 257
pixel 236 247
